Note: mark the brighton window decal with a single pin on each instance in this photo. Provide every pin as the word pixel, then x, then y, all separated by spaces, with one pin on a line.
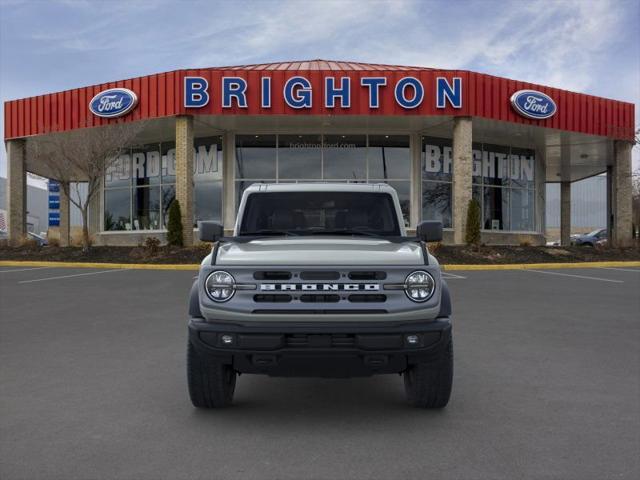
pixel 533 104
pixel 114 102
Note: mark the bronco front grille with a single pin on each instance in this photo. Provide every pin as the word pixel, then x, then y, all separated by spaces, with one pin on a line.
pixel 320 341
pixel 272 275
pixel 367 275
pixel 319 275
pixel 319 298
pixel 360 298
pixel 272 298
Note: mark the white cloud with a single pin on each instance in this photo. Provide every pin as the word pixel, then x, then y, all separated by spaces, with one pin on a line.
pixel 583 45
pixel 327 26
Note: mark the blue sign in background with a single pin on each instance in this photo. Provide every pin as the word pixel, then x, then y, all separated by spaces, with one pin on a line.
pixel 54 219
pixel 54 203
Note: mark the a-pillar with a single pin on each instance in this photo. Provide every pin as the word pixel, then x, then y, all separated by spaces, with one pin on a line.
pixel 65 215
pixel 462 175
pixel 16 191
pixel 184 174
pixel 621 193
pixel 565 213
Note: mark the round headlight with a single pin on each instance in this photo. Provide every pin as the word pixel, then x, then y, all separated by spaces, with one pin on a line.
pixel 220 286
pixel 419 286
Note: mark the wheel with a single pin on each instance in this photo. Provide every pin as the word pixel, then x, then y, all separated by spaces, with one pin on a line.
pixel 428 385
pixel 211 383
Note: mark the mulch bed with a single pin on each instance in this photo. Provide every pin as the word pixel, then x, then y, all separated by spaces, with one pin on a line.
pixel 445 254
pixel 172 255
pixel 514 254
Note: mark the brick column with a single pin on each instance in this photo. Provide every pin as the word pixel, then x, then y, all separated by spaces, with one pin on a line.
pixel 416 180
pixel 184 174
pixel 621 186
pixel 65 216
pixel 462 175
pixel 228 182
pixel 16 191
pixel 565 213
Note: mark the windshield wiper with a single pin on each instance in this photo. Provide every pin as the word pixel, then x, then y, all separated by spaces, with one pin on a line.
pixel 268 231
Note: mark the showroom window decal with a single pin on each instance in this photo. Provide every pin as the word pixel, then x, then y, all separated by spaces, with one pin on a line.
pixel 140 185
pixel 503 184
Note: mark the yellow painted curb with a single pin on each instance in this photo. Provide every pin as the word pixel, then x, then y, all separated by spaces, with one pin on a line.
pixel 195 266
pixel 132 266
pixel 525 266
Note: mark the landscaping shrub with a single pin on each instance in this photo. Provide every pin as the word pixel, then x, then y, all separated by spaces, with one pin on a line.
pixel 472 235
pixel 29 243
pixel 174 226
pixel 152 245
pixel 434 247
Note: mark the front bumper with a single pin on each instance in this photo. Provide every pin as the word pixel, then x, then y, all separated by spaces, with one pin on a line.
pixel 318 349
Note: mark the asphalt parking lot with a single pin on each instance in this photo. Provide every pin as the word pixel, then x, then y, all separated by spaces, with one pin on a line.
pixel 93 386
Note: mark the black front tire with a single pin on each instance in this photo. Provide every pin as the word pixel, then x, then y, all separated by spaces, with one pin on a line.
pixel 428 385
pixel 211 383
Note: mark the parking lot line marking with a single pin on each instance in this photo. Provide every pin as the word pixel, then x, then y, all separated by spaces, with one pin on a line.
pixel 575 276
pixel 621 269
pixel 527 266
pixel 133 266
pixel 452 276
pixel 23 269
pixel 69 276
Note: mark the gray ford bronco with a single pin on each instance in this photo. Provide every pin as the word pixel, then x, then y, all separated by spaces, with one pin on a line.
pixel 320 280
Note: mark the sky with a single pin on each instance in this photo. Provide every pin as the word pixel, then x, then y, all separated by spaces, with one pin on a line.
pixel 590 46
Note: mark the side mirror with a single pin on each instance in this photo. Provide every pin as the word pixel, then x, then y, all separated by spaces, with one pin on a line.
pixel 209 231
pixel 429 231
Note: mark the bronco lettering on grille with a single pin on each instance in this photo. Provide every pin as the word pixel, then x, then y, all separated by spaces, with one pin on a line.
pixel 322 287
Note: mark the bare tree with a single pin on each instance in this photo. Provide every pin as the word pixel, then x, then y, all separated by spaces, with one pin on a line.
pixel 82 156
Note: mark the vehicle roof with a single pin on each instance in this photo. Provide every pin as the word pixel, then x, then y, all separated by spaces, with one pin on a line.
pixel 320 187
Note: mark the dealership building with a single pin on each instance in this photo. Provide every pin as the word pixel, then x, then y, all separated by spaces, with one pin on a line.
pixel 439 137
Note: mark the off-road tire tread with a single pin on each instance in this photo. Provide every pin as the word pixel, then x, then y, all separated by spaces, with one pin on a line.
pixel 211 383
pixel 428 385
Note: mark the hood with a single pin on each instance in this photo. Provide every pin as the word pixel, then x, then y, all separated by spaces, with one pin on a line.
pixel 328 251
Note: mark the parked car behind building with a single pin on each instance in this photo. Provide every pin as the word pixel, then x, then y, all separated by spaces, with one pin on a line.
pixel 591 239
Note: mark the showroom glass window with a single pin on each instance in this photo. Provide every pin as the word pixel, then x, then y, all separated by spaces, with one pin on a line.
pixel 140 185
pixel 493 163
pixel 355 158
pixel 256 161
pixel 207 179
pixel 437 175
pixel 117 194
pixel 503 183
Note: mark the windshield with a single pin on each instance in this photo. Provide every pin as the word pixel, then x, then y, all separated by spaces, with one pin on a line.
pixel 318 213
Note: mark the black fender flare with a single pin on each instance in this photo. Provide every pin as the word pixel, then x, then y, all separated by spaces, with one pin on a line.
pixel 445 301
pixel 194 302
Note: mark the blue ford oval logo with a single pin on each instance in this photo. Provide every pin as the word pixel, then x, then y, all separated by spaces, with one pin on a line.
pixel 114 102
pixel 533 104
